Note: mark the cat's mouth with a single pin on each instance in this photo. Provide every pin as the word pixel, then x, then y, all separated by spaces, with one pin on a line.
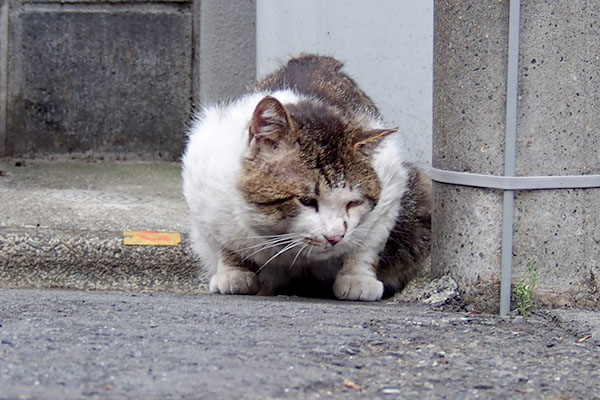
pixel 319 245
pixel 316 243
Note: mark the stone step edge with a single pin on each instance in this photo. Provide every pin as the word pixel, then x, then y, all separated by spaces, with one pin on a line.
pixel 93 260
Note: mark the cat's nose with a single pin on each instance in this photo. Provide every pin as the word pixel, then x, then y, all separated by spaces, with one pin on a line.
pixel 334 239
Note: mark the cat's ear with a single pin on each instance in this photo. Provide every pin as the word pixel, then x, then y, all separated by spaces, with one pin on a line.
pixel 270 123
pixel 367 140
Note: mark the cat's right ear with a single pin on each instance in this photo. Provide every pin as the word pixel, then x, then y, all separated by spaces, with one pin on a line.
pixel 366 141
pixel 269 125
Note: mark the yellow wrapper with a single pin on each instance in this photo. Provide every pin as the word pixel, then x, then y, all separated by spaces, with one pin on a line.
pixel 147 238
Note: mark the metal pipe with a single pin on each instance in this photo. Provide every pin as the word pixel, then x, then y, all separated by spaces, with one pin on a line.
pixel 512 86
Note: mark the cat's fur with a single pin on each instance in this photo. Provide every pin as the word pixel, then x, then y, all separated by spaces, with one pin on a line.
pixel 299 187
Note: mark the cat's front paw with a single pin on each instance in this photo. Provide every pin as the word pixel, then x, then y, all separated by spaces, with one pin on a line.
pixel 234 282
pixel 358 287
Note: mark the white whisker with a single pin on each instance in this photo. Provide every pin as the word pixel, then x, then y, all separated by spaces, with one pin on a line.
pixel 282 235
pixel 298 254
pixel 286 248
pixel 264 246
pixel 276 240
pixel 266 243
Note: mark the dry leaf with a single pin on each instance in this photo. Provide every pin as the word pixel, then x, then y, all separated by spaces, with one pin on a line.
pixel 583 339
pixel 349 384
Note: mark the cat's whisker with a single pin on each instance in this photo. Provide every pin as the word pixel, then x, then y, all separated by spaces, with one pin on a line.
pixel 267 243
pixel 280 252
pixel 272 243
pixel 283 235
pixel 297 255
pixel 264 246
pixel 266 236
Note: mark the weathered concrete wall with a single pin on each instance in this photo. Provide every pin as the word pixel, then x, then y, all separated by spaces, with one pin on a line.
pixel 120 77
pixel 557 135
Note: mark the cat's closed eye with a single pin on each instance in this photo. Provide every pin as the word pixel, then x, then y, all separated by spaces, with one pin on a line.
pixel 309 202
pixel 352 204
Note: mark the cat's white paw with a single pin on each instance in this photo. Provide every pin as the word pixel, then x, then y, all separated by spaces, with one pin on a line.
pixel 234 282
pixel 358 287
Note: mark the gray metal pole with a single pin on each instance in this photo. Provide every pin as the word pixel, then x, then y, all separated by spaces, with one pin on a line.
pixel 510 153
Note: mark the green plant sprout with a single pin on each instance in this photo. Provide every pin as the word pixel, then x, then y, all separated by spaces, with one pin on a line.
pixel 524 289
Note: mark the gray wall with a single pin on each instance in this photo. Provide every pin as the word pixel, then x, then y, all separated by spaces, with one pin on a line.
pixel 118 78
pixel 386 44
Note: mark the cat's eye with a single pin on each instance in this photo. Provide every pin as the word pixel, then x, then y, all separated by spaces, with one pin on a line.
pixel 309 202
pixel 352 204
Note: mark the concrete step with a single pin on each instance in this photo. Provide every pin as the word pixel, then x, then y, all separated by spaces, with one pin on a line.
pixel 62 225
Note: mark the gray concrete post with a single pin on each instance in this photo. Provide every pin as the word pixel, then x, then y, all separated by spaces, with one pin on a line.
pixel 557 135
pixel 227 48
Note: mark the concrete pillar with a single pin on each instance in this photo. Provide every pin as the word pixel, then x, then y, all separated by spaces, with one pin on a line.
pixel 557 134
pixel 227 48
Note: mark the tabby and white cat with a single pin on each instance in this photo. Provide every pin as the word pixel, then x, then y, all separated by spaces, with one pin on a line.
pixel 299 187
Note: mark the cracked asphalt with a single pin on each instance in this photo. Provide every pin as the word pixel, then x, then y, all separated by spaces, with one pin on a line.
pixel 71 345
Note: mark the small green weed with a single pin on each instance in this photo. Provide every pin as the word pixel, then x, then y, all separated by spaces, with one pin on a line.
pixel 524 289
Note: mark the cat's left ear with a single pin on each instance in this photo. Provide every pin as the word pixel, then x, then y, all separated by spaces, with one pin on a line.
pixel 270 123
pixel 366 141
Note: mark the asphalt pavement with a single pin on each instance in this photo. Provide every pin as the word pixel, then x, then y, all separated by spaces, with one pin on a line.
pixel 116 345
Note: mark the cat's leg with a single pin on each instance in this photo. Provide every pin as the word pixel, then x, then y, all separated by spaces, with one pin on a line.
pixel 233 276
pixel 357 279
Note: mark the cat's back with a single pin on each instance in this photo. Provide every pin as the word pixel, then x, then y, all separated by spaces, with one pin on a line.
pixel 321 77
pixel 215 135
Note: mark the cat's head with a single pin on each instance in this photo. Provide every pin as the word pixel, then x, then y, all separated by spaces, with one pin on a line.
pixel 307 174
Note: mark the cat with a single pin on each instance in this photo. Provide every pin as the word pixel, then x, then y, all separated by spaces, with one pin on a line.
pixel 299 187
